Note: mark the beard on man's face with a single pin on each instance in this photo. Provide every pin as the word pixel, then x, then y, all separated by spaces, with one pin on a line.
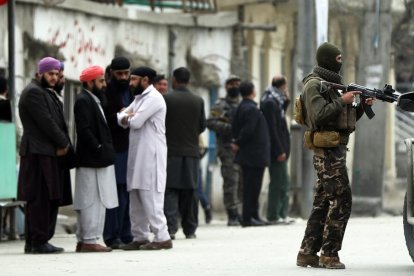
pixel 45 83
pixel 59 86
pixel 120 84
pixel 137 90
pixel 98 92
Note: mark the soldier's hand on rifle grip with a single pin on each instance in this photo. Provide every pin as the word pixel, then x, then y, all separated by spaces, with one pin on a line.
pixel 369 101
pixel 349 96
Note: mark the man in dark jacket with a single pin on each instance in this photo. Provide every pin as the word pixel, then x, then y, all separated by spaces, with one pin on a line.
pixel 95 187
pixel 251 142
pixel 274 104
pixel 44 180
pixel 185 121
pixel 117 231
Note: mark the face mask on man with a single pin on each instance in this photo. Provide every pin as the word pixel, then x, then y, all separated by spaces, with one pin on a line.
pixel 326 56
pixel 233 92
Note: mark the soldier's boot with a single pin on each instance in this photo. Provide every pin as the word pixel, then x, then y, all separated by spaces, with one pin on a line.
pixel 330 262
pixel 306 260
pixel 233 217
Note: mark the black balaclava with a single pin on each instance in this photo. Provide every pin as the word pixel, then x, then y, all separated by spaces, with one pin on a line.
pixel 326 57
pixel 233 92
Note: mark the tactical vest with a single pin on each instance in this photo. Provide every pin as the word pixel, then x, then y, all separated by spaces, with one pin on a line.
pixel 335 132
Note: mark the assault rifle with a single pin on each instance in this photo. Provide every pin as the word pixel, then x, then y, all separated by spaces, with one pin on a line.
pixel 388 94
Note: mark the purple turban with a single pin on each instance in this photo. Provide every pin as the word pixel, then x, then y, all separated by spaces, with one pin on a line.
pixel 48 64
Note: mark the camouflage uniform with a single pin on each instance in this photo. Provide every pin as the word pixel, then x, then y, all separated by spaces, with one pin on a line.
pixel 219 121
pixel 332 203
pixel 333 199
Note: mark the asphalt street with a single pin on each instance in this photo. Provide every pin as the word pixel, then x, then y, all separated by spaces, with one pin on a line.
pixel 372 246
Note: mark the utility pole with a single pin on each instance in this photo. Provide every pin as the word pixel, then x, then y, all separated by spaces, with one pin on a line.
pixel 370 137
pixel 11 23
pixel 303 175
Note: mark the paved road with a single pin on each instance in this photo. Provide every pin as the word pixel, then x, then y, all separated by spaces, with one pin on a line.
pixel 372 246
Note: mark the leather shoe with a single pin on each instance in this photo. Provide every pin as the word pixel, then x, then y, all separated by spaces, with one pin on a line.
pixel 46 248
pixel 135 245
pixel 117 244
pixel 94 247
pixel 157 245
pixel 264 222
pixel 253 222
pixel 78 247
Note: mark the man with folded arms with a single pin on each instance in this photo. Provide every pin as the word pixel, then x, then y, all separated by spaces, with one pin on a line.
pixel 147 162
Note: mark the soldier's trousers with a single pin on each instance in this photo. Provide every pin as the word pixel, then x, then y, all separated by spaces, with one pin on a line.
pixel 332 203
pixel 232 187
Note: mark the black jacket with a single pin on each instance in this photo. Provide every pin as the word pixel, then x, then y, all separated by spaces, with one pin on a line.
pixel 43 122
pixel 184 122
pixel 94 147
pixel 114 104
pixel 5 110
pixel 251 134
pixel 277 126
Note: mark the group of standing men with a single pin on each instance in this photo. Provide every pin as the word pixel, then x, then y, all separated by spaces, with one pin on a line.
pixel 136 157
pixel 248 140
pixel 135 145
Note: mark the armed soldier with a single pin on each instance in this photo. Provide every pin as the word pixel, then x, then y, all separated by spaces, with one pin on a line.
pixel 330 119
pixel 220 120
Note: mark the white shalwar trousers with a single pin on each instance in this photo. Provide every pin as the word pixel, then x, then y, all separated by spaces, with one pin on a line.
pixel 146 211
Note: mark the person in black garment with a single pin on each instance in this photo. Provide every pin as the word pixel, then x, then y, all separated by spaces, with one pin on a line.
pixel 252 146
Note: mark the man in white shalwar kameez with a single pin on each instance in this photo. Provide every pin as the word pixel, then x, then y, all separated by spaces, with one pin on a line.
pixel 95 187
pixel 147 162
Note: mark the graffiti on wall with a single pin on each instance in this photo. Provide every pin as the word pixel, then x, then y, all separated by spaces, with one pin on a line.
pixel 82 40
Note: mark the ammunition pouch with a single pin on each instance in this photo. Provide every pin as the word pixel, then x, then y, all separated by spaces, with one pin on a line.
pixel 324 139
pixel 308 140
pixel 347 119
pixel 299 112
